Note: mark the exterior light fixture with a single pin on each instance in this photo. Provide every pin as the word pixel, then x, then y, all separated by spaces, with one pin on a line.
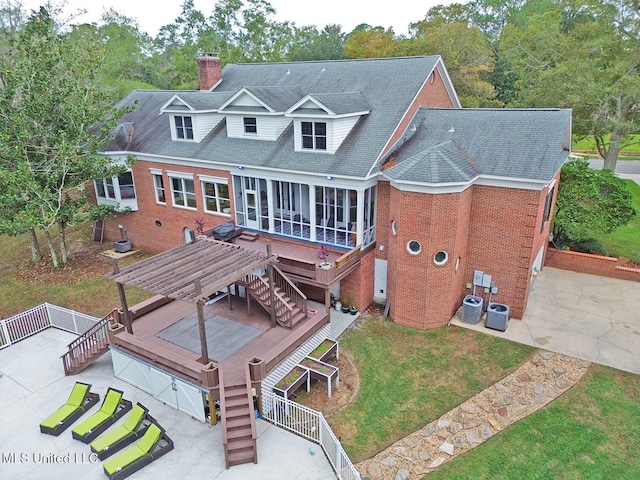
pixel 240 167
pixel 329 177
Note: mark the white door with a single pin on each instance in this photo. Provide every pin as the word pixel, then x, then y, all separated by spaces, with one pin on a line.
pixel 380 281
pixel 251 201
pixel 131 370
pixel 164 387
pixel 190 400
pixel 188 235
pixel 251 205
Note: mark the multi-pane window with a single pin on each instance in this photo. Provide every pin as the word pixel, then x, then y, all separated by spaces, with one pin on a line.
pixel 184 127
pixel 116 188
pixel 216 197
pixel 183 190
pixel 314 135
pixel 250 125
pixel 158 185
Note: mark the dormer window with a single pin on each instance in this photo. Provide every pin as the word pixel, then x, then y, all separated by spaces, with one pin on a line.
pixel 184 127
pixel 314 135
pixel 250 125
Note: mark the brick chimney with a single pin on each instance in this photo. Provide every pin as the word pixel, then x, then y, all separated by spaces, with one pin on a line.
pixel 209 68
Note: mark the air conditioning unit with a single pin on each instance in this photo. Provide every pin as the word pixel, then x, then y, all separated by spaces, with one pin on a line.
pixel 497 316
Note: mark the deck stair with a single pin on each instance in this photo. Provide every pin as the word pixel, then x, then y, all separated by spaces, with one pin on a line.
pixel 238 422
pixel 249 236
pixel 88 347
pixel 288 311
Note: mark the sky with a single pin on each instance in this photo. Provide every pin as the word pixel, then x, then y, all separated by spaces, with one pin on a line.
pixel 153 14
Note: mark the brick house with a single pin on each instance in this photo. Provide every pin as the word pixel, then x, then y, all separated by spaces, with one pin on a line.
pixel 372 154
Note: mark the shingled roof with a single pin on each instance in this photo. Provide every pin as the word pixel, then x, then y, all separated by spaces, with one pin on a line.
pixel 456 145
pixel 387 86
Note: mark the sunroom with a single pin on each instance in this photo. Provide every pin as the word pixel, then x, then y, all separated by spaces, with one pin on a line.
pixel 344 217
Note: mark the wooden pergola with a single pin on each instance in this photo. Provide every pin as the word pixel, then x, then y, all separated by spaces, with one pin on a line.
pixel 191 273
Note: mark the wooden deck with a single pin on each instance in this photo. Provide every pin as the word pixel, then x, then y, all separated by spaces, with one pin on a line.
pixel 299 259
pixel 272 346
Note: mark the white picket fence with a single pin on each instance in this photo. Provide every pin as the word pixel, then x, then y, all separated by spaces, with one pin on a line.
pixel 311 425
pixel 37 319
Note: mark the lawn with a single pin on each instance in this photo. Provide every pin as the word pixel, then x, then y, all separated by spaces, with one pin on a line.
pixel 410 377
pixel 588 144
pixel 591 432
pixel 79 286
pixel 625 240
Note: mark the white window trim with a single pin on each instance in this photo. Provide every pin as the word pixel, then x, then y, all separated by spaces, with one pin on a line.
pixel 174 128
pixel 180 176
pixel 215 180
pixel 314 136
pixel 118 203
pixel 155 172
pixel 244 126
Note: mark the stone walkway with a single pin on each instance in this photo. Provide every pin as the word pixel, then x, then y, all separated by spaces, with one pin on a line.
pixel 536 383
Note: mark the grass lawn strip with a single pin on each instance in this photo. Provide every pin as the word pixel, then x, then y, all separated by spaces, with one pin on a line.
pixel 536 383
pixel 410 377
pixel 589 432
pixel 623 241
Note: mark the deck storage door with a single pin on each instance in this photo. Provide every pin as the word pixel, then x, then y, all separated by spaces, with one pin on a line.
pixel 131 370
pixel 164 387
pixel 168 389
pixel 190 400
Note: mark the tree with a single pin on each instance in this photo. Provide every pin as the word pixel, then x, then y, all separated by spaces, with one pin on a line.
pixel 366 41
pixel 127 64
pixel 49 99
pixel 309 44
pixel 589 201
pixel 585 57
pixel 464 49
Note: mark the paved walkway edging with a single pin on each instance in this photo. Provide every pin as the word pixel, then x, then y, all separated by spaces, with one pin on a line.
pixel 532 386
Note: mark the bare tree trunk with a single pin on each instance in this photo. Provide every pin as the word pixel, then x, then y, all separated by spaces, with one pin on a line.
pixel 63 242
pixel 52 250
pixel 36 254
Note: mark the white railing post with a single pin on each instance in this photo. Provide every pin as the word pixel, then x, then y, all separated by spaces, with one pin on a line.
pixel 46 306
pixel 339 459
pixel 5 332
pixel 75 324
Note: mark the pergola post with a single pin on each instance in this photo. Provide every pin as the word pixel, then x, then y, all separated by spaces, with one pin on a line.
pixel 272 297
pixel 201 326
pixel 123 299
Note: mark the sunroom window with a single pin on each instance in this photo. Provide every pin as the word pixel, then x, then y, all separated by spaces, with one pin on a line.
pixel 118 190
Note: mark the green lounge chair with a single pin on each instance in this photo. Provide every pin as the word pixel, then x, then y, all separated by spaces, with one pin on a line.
pixel 154 444
pixel 133 427
pixel 113 407
pixel 80 400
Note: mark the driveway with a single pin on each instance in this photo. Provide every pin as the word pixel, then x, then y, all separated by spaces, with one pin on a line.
pixel 585 316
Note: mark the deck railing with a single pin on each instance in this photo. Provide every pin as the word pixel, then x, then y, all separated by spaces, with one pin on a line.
pixel 289 289
pixel 311 425
pixel 37 319
pixel 95 339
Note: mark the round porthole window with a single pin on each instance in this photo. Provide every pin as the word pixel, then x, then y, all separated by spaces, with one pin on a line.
pixel 441 257
pixel 414 247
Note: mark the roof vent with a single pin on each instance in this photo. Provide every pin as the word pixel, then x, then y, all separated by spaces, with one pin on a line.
pixel 452 130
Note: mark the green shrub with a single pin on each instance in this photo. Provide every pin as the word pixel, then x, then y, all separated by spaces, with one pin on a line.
pixel 589 245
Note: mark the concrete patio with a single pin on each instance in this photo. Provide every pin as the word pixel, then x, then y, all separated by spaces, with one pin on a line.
pixel 33 385
pixel 586 316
